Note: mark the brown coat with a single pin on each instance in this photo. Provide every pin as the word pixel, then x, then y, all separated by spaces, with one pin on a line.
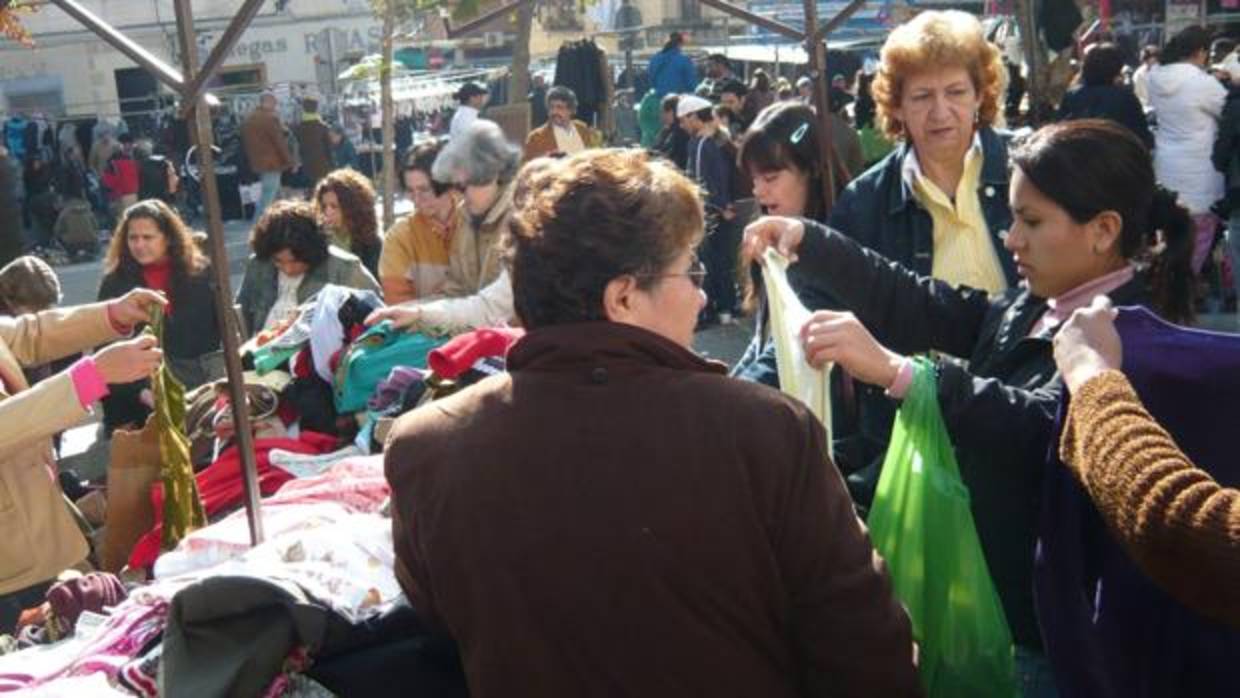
pixel 1181 527
pixel 40 539
pixel 314 143
pixel 541 140
pixel 618 517
pixel 265 141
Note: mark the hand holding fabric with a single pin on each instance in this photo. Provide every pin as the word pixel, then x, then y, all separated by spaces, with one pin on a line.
pixel 125 362
pixel 402 316
pixel 785 234
pixel 830 336
pixel 135 307
pixel 1088 344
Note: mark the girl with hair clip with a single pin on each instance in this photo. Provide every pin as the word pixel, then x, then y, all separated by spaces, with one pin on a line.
pixel 1089 220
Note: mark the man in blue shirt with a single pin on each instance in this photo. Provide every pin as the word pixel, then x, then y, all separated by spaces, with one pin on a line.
pixel 671 71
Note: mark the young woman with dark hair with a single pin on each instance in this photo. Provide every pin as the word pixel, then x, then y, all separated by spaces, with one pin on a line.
pixel 344 201
pixel 292 260
pixel 1090 220
pixel 152 248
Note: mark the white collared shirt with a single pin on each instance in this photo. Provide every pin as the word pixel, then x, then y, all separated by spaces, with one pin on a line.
pixel 568 140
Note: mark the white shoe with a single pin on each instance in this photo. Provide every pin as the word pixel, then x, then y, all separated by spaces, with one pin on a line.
pixel 725 319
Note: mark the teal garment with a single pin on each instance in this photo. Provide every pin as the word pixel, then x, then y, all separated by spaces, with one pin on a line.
pixel 372 357
pixel 650 118
pixel 268 358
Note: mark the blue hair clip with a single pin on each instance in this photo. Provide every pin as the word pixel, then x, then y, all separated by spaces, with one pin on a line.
pixel 798 134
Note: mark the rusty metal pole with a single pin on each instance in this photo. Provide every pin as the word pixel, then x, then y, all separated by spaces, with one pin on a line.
pixel 816 49
pixel 224 315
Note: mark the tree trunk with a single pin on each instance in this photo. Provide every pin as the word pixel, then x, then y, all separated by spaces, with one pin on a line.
pixel 389 121
pixel 519 81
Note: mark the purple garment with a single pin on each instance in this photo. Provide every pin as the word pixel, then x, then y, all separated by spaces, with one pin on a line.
pixel 1109 631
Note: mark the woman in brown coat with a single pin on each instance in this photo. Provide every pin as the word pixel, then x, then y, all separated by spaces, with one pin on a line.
pixel 632 519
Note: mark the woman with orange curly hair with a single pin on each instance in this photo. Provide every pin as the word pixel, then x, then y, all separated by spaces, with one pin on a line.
pixel 937 202
pixel 344 202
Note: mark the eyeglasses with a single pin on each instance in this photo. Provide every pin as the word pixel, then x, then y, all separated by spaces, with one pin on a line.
pixel 696 274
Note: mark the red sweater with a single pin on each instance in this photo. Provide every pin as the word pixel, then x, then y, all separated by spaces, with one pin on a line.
pixel 158 277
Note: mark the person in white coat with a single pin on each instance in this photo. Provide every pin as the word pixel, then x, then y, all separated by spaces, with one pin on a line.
pixel 1188 102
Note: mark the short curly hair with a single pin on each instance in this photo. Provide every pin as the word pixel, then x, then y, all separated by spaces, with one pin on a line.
pixel 580 222
pixel 933 40
pixel 290 225
pixel 357 204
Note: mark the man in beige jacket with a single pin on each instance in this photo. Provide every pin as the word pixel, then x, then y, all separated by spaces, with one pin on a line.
pixel 39 539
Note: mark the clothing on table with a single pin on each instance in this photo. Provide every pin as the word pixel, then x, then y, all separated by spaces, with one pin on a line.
pixel 1110 631
pixel 338 317
pixel 460 353
pixel 220 485
pixel 372 356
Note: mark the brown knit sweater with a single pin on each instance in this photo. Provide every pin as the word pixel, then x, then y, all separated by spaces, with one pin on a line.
pixel 1180 526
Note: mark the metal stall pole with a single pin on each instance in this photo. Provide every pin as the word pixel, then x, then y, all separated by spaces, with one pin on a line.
pixel 225 318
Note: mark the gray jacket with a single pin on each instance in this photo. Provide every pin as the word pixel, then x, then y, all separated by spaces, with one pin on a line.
pixel 259 285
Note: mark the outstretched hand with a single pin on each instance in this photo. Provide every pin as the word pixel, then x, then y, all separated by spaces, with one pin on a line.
pixel 1088 344
pixel 401 316
pixel 784 234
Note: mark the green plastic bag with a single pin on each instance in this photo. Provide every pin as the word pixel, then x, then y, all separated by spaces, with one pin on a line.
pixel 922 525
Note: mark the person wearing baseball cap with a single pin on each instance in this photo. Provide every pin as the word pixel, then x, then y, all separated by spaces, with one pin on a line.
pixel 707 166
pixel 472 98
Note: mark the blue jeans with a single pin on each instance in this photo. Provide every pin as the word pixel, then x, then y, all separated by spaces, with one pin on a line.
pixel 1034 677
pixel 271 189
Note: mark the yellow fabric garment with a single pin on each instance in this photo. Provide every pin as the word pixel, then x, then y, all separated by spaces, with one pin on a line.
pixel 796 377
pixel 416 254
pixel 963 252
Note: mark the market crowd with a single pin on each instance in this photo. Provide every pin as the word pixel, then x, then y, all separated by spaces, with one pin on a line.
pixel 493 464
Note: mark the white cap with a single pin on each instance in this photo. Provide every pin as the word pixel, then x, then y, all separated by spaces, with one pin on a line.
pixel 691 104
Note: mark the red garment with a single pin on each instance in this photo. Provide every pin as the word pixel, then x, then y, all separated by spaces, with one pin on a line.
pixel 463 351
pixel 120 176
pixel 158 277
pixel 221 486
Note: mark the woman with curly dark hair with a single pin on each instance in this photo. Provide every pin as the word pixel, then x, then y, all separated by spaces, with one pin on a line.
pixel 292 260
pixel 345 203
pixel 153 248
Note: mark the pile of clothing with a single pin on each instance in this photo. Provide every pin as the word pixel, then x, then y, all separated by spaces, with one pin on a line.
pixel 313 610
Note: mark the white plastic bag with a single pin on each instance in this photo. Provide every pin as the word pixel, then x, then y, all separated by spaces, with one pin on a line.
pixel 796 377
